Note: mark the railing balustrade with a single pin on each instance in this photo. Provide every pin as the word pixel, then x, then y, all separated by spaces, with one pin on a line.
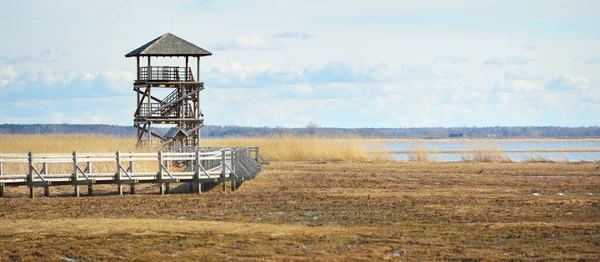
pixel 165 73
pixel 202 165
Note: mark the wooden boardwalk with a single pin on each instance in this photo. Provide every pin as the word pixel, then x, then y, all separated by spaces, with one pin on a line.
pixel 177 165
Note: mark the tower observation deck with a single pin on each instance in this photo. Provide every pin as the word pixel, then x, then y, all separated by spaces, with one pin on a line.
pixel 168 94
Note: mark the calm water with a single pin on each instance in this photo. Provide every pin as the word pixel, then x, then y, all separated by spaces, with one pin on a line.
pixel 454 149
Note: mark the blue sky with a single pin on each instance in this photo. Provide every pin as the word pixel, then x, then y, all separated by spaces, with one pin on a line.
pixel 333 63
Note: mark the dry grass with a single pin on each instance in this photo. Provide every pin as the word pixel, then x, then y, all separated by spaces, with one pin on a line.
pixel 65 143
pixel 273 148
pixel 419 151
pixel 328 212
pixel 301 148
pixel 537 159
pixel 484 152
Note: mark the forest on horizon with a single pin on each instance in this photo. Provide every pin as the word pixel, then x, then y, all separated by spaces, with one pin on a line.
pixel 212 131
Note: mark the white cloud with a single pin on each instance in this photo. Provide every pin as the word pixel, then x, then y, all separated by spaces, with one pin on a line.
pixel 7 74
pixel 243 42
pixel 235 74
pixel 519 86
pixel 502 61
pixel 568 82
pixel 304 90
pixel 592 61
pixel 451 59
pixel 518 74
pixel 387 72
pixel 58 117
pixel 502 97
pixel 49 84
pixel 295 35
pixel 529 47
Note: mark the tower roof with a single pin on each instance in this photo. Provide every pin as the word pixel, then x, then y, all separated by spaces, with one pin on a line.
pixel 175 132
pixel 169 45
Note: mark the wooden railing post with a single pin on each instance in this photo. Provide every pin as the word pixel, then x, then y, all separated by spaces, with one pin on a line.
pixel 118 174
pixel 161 185
pixel 167 185
pixel 1 170
pixel 47 186
pixel 88 169
pixel 224 167
pixel 75 178
pixel 232 169
pixel 149 70
pixel 1 183
pixel 30 175
pixel 132 185
pixel 196 186
pixel 256 155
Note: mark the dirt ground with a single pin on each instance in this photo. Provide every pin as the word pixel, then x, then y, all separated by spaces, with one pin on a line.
pixel 323 211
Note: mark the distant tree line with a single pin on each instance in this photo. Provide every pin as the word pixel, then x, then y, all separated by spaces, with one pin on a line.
pixel 313 129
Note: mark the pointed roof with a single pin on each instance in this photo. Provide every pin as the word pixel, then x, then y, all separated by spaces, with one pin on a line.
pixel 175 132
pixel 169 45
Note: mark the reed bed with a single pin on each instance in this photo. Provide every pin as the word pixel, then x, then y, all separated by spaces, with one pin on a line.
pixel 66 143
pixel 419 151
pixel 303 148
pixel 484 152
pixel 273 148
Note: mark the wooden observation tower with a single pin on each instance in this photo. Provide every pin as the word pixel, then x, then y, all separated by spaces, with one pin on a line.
pixel 167 94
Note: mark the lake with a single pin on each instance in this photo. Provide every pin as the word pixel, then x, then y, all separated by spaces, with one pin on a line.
pixel 516 150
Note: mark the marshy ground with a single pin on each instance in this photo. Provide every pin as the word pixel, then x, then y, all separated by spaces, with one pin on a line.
pixel 324 211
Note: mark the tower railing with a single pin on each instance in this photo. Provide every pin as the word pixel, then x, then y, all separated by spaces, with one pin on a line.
pixel 165 73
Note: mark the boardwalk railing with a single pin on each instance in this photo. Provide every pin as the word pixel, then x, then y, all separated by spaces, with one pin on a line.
pixel 195 166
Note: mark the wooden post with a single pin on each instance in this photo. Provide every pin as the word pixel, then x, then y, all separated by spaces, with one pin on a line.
pixel 30 176
pixel 0 165
pixel 149 114
pixel 75 177
pixel 187 78
pixel 149 71
pixel 137 89
pixel 198 99
pixel 46 187
pixel 167 185
pixel 88 169
pixel 118 174
pixel 161 186
pixel 224 167
pixel 138 68
pixel 1 184
pixel 233 158
pixel 197 187
pixel 232 168
pixel 132 185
